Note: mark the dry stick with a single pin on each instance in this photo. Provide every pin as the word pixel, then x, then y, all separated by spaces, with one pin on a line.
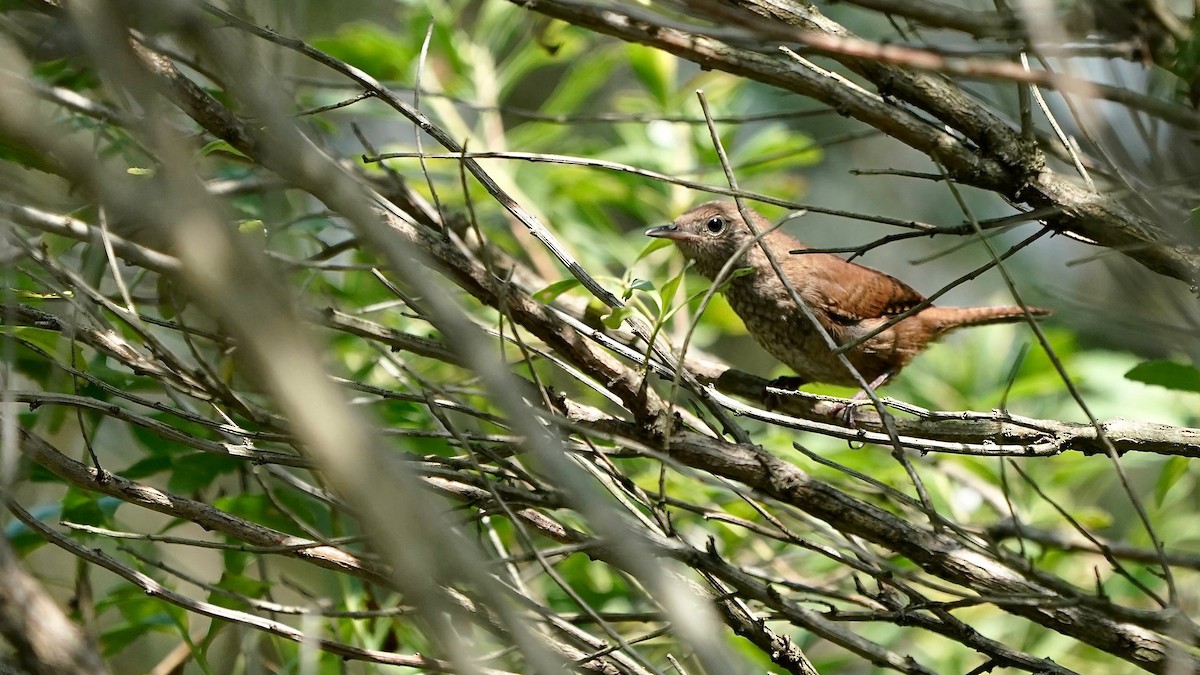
pixel 155 589
pixel 863 435
pixel 569 119
pixel 1072 146
pixel 1082 530
pixel 1093 622
pixel 531 223
pixel 79 230
pixel 964 536
pixel 570 160
pixel 707 563
pixel 960 245
pixel 781 648
pixel 1110 450
pixel 888 423
pixel 436 407
pixel 1058 131
pixel 437 203
pixel 174 373
pixel 850 48
pixel 334 106
pixel 802 619
pixel 36 399
pixel 714 655
pixel 517 523
pixel 199 543
pixel 203 514
pixel 1089 543
pixel 640 665
pixel 187 416
pixel 43 640
pixel 939 15
pixel 1006 166
pixel 263 605
pixel 211 518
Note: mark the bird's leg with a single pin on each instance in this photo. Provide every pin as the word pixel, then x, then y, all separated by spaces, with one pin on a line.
pixel 857 399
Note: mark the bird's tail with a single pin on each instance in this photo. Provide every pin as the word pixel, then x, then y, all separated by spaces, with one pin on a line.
pixel 950 318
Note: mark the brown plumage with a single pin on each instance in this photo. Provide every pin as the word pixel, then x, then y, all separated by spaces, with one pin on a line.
pixel 849 300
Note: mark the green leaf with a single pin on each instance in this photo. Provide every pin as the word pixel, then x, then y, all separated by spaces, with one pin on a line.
pixel 88 509
pixel 242 585
pixel 149 467
pixel 24 540
pixel 636 285
pixel 549 293
pixel 641 285
pixel 655 69
pixel 139 614
pixel 196 471
pixel 655 244
pixel 672 286
pixel 764 150
pixel 1168 374
pixel 1174 469
pixel 252 226
pixel 381 53
pixel 219 146
pixel 617 317
pixel 739 272
pixel 581 81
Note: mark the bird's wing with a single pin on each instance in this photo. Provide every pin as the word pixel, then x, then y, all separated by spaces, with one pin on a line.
pixel 853 293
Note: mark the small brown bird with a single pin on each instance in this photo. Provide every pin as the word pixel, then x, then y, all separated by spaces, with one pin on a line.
pixel 848 299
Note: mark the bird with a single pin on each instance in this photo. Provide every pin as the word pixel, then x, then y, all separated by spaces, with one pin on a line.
pixel 849 300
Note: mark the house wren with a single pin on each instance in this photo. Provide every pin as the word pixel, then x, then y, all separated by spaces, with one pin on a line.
pixel 849 300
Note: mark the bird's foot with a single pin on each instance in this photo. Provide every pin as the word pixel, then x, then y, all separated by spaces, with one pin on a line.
pixel 846 410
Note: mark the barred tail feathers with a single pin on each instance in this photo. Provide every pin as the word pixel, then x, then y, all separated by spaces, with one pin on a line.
pixel 950 318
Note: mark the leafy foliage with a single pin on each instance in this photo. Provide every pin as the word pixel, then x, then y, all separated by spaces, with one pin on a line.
pixel 235 508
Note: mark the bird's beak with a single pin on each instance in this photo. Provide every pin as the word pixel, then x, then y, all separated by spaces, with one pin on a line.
pixel 668 231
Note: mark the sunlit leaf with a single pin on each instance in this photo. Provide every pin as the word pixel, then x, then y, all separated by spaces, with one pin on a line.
pixel 1173 469
pixel 549 293
pixel 655 244
pixel 1169 374
pixel 655 69
pixel 615 318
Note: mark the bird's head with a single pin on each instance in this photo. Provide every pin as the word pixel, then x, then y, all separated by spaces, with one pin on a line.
pixel 711 234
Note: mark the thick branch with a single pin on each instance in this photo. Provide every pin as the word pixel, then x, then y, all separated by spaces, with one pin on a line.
pixel 936 553
pixel 999 161
pixel 45 640
pixel 996 433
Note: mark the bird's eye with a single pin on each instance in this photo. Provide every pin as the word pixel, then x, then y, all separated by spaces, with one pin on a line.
pixel 715 224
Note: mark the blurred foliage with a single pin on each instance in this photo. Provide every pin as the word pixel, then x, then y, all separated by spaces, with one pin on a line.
pixel 489 71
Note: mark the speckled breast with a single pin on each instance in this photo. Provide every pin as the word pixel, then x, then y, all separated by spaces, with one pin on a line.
pixel 777 324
